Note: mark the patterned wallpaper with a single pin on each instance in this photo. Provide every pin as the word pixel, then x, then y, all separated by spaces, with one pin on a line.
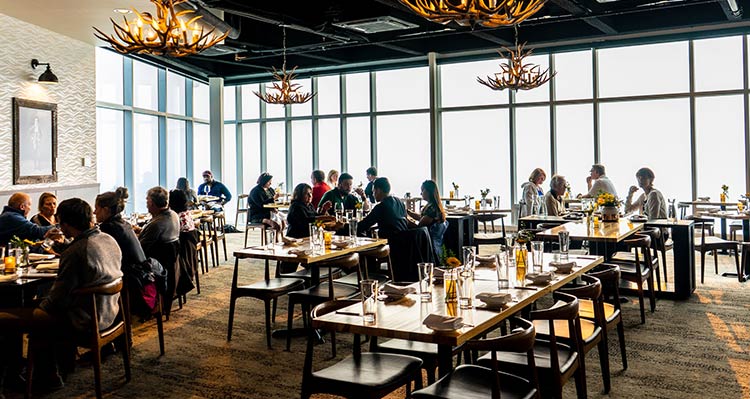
pixel 73 62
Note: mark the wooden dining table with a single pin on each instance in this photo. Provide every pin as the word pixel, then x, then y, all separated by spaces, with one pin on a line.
pixel 607 234
pixel 29 284
pixel 402 319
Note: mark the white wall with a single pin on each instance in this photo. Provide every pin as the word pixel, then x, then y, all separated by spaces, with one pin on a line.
pixel 73 62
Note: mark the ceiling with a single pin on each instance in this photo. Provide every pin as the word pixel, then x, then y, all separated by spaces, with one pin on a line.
pixel 318 40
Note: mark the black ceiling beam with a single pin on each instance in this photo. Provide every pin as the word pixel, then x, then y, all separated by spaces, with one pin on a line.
pixel 490 38
pixel 398 48
pixel 577 10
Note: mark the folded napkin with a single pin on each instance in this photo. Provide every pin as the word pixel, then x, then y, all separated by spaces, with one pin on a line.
pixel 563 267
pixel 494 299
pixel 540 278
pixel 47 266
pixel 35 257
pixel 6 278
pixel 443 323
pixel 490 259
pixel 291 242
pixel 393 290
pixel 300 252
pixel 639 218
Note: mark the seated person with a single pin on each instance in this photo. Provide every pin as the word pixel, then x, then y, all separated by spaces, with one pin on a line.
pixel 164 226
pixel 47 210
pixel 13 222
pixel 260 195
pixel 183 184
pixel 372 174
pixel 389 213
pixel 532 192
pixel 214 188
pixel 651 203
pixel 319 187
pixel 598 182
pixel 342 194
pixel 333 178
pixel 302 213
pixel 554 197
pixel 92 259
pixel 431 216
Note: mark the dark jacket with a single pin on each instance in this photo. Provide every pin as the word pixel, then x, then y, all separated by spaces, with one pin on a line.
pixel 368 192
pixel 335 195
pixel 390 216
pixel 258 197
pixel 408 248
pixel 14 223
pixel 217 189
pixel 299 218
pixel 122 232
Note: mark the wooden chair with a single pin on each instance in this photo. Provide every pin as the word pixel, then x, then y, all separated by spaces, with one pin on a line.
pixel 639 270
pixel 370 261
pixel 557 359
pixel 369 375
pixel 491 238
pixel 712 243
pixel 321 292
pixel 205 225
pixel 266 290
pixel 219 234
pixel 609 275
pixel 241 209
pixel 98 337
pixel 478 382
pixel 593 331
pixel 656 237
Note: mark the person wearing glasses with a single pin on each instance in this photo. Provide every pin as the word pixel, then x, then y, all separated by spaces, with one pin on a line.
pixel 216 189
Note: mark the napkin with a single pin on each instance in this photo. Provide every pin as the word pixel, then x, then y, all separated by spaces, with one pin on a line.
pixel 443 323
pixel 47 266
pixel 6 278
pixel 292 242
pixel 540 278
pixel 35 257
pixel 563 267
pixel 300 252
pixel 494 299
pixel 397 291
pixel 639 218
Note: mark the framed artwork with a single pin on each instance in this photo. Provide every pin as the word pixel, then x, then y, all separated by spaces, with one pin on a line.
pixel 34 142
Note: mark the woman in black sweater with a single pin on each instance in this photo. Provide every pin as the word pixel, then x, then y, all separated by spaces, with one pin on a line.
pixel 260 195
pixel 302 213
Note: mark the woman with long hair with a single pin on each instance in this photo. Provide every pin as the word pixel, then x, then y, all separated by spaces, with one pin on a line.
pixel 432 215
pixel 47 210
pixel 302 213
pixel 183 184
pixel 333 178
pixel 260 195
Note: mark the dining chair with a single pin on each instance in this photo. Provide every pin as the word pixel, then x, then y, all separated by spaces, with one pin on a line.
pixel 639 270
pixel 593 330
pixel 655 234
pixel 556 359
pixel 267 290
pixel 241 209
pixel 481 382
pixel 97 337
pixel 369 375
pixel 219 234
pixel 609 275
pixel 714 244
pixel 491 238
pixel 425 351
pixel 205 225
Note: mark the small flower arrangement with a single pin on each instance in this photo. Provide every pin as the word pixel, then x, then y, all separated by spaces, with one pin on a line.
pixel 448 258
pixel 19 243
pixel 358 205
pixel 455 186
pixel 725 189
pixel 524 236
pixel 608 199
pixel 452 261
pixel 484 192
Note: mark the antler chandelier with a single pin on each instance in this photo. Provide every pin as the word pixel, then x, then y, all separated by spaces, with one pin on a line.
pixel 489 13
pixel 515 74
pixel 166 33
pixel 284 91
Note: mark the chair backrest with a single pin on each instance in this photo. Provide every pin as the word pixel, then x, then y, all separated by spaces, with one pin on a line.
pixel 642 246
pixel 520 339
pixel 704 224
pixel 609 276
pixel 566 308
pixel 320 310
pixel 408 248
pixel 108 289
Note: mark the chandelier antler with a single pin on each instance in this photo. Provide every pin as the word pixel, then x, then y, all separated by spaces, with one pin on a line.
pixel 283 91
pixel 516 75
pixel 167 33
pixel 489 13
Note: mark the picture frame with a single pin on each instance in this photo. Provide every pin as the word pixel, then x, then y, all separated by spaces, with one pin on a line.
pixel 34 141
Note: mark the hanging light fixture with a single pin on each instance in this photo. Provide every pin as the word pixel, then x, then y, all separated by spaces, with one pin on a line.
pixel 283 91
pixel 171 33
pixel 47 76
pixel 515 74
pixel 489 13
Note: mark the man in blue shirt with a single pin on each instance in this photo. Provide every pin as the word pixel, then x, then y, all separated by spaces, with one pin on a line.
pixel 13 221
pixel 214 188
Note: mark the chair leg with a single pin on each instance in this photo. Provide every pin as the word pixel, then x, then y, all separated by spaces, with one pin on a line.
pixel 247 230
pixel 621 338
pixel 267 304
pixel 29 369
pixel 231 317
pixel 290 315
pixel 664 264
pixel 197 280
pixel 604 360
pixel 640 301
pixel 224 242
pixel 160 327
pixel 737 264
pixel 580 376
pixel 273 311
pixel 97 352
pixel 126 355
pixel 716 262
pixel 652 295
pixel 703 265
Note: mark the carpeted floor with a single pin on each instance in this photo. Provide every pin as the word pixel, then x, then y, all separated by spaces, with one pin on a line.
pixel 693 349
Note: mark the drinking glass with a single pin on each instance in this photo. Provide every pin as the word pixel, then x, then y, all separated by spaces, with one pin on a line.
pixel 369 290
pixel 521 261
pixel 465 288
pixel 425 281
pixel 564 238
pixel 353 230
pixel 537 254
pixel 313 236
pixel 339 209
pixel 501 259
pixel 270 238
pixel 450 278
pixel 468 258
pixel 349 215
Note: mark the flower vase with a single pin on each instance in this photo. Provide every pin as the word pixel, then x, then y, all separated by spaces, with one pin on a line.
pixel 610 214
pixel 25 257
pixel 723 197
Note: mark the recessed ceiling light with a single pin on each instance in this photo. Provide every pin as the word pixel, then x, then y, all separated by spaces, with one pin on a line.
pixel 122 10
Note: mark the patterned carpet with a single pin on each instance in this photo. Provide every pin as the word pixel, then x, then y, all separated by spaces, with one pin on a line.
pixel 693 349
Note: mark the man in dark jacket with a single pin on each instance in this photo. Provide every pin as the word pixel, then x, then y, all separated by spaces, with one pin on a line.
pixel 214 188
pixel 13 221
pixel 389 213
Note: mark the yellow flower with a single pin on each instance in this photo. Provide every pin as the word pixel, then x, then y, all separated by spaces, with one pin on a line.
pixel 452 261
pixel 358 206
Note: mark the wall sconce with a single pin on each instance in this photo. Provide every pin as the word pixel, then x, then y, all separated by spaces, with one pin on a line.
pixel 47 76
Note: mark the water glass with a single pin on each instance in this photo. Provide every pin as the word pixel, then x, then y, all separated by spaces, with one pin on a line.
pixel 465 288
pixel 450 280
pixel 349 215
pixel 353 230
pixel 503 276
pixel 339 209
pixel 468 258
pixel 425 281
pixel 270 238
pixel 313 236
pixel 369 290
pixel 537 254
pixel 564 238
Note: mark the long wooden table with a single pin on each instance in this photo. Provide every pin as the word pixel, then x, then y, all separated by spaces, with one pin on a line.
pixel 402 319
pixel 608 234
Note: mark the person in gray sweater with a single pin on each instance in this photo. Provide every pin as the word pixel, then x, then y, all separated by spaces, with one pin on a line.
pixel 164 226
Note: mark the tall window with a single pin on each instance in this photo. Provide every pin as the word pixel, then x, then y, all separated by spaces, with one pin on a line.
pixel 302 162
pixel 145 86
pixel 532 144
pixel 404 132
pixel 146 169
pixel 108 76
pixel 329 144
pixel 176 152
pixel 175 94
pixel 622 71
pixel 575 144
pixel 357 145
pixel 250 155
pixel 201 152
pixel 276 151
pixel 110 162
